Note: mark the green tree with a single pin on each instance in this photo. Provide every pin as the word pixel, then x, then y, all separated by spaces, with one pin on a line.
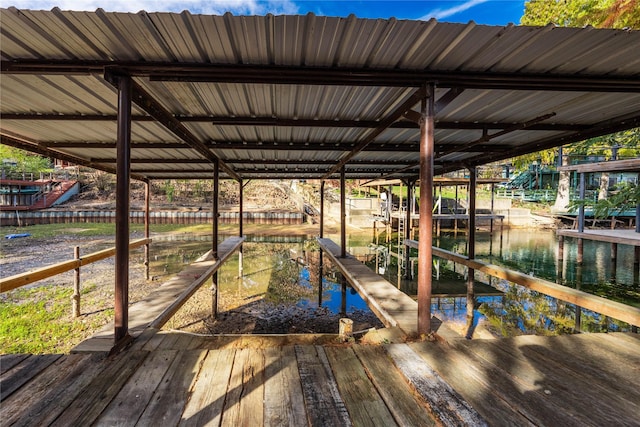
pixel 580 13
pixel 25 162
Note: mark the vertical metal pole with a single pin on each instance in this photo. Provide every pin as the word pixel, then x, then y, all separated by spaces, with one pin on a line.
pixel 214 247
pixel 320 274
pixel 492 207
pixel 322 209
pixel 76 285
pixel 147 197
pixel 581 209
pixel 123 177
pixel 425 252
pixel 241 213
pixel 343 215
pixel 472 249
pixel 638 210
pixel 241 228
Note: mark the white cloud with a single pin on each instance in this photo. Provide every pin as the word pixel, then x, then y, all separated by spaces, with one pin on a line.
pixel 445 13
pixel 217 7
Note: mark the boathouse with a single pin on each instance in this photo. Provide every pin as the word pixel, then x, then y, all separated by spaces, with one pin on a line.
pixel 151 96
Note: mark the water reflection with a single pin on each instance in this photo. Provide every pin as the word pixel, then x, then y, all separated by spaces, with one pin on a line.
pixel 517 310
pixel 286 270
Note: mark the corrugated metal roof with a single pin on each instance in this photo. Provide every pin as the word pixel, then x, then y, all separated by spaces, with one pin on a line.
pixel 290 96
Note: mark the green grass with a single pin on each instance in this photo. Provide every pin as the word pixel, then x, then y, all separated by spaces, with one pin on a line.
pixel 39 320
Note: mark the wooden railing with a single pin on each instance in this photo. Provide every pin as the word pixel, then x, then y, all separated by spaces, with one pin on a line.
pixel 616 310
pixel 22 279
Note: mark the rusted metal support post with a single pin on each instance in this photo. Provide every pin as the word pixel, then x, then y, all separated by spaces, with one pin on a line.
pixel 471 253
pixel 123 179
pixel 343 215
pixel 147 197
pixel 216 189
pixel 214 247
pixel 320 274
pixel 75 305
pixel 322 209
pixel 240 227
pixel 241 210
pixel 425 252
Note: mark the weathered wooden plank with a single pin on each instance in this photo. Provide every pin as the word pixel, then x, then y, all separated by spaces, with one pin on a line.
pixel 445 403
pixel 483 390
pixel 552 381
pixel 283 400
pixel 23 372
pixel 97 395
pixel 365 406
pixel 244 401
pixel 324 405
pixel 589 355
pixel 204 408
pixel 170 398
pixel 18 280
pixel 133 398
pixel 225 250
pixel 69 381
pixel 405 405
pixel 8 361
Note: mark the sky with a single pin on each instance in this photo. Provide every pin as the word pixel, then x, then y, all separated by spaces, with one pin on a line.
pixel 488 12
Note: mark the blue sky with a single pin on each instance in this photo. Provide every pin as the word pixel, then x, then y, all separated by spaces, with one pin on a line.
pixel 491 12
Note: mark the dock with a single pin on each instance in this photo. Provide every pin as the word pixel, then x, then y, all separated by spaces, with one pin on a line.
pixel 618 236
pixel 161 304
pixel 173 378
pixel 393 307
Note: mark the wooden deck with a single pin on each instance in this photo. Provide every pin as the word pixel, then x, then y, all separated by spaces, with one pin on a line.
pixel 158 306
pixel 170 378
pixel 623 237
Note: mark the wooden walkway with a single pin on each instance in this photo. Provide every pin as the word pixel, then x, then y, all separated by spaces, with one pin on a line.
pixel 170 378
pixel 162 303
pixel 392 306
pixel 623 237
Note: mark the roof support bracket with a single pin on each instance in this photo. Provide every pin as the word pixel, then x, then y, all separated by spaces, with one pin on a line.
pixel 164 117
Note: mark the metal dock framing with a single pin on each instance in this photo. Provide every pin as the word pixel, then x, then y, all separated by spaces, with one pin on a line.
pixel 161 304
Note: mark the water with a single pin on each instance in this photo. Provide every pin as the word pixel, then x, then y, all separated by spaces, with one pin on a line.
pixel 284 270
pixel 517 310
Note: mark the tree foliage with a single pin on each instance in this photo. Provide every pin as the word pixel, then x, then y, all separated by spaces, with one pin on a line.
pixel 580 13
pixel 25 162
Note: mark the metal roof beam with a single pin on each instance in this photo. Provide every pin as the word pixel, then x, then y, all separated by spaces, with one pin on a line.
pixel 145 101
pixel 604 128
pixel 271 121
pixel 34 147
pixel 384 124
pixel 201 72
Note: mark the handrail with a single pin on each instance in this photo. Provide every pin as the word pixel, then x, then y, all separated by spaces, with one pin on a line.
pixel 614 309
pixel 22 279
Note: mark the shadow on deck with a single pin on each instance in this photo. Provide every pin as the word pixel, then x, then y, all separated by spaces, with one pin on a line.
pixel 169 378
